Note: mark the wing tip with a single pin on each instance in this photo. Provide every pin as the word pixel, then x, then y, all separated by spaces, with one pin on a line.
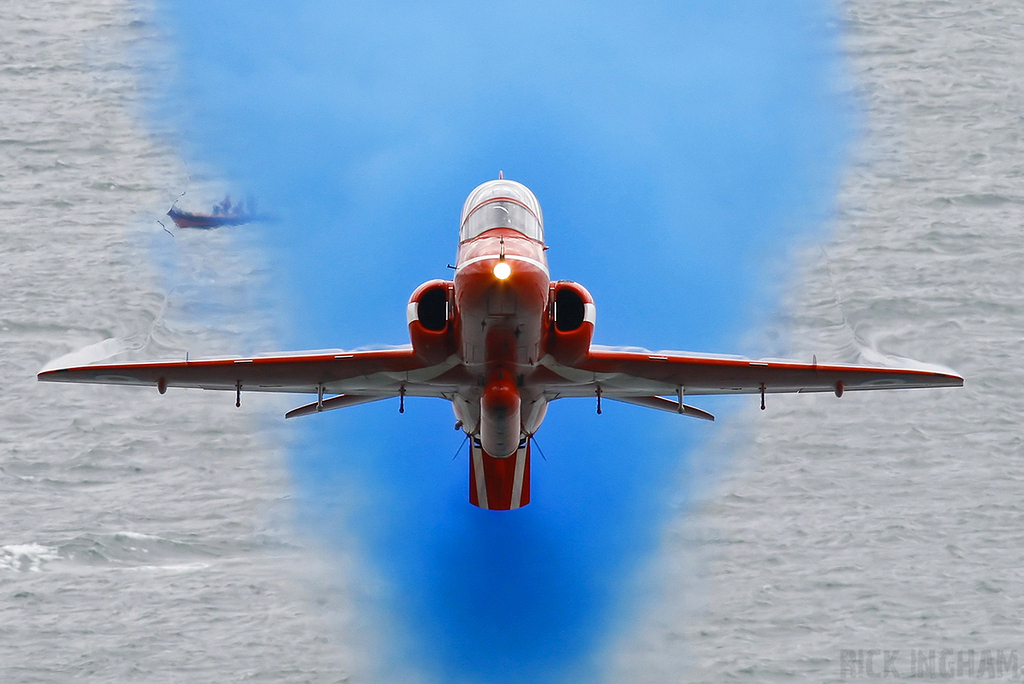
pixel 51 374
pixel 947 378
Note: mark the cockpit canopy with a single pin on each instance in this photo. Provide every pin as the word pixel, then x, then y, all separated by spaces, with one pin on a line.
pixel 501 204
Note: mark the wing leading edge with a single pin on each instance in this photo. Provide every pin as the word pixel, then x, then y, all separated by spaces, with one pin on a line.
pixel 376 374
pixel 641 373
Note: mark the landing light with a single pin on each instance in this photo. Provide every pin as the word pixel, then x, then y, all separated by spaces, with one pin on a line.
pixel 502 270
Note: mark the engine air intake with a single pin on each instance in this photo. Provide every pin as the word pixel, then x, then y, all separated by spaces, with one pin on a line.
pixel 573 315
pixel 433 309
pixel 570 310
pixel 429 315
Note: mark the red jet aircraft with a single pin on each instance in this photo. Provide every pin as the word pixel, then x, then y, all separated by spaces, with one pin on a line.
pixel 500 341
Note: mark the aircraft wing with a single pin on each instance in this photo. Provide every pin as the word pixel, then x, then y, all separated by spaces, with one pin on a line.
pixel 631 374
pixel 377 373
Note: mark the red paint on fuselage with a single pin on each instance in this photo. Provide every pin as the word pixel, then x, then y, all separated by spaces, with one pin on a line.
pixel 503 483
pixel 501 325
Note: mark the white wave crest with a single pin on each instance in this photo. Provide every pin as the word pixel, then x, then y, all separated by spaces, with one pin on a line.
pixel 26 557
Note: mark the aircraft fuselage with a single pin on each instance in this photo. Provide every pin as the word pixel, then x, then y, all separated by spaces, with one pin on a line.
pixel 501 327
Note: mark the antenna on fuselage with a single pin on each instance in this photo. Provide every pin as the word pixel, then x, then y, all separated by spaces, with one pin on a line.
pixel 533 438
pixel 501 175
pixel 459 450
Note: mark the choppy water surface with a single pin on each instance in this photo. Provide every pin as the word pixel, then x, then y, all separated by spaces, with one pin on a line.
pixel 145 538
pixel 889 521
pixel 140 538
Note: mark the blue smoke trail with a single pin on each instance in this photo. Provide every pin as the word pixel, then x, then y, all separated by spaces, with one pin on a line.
pixel 678 152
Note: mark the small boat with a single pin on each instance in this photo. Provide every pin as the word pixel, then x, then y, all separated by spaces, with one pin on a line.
pixel 186 219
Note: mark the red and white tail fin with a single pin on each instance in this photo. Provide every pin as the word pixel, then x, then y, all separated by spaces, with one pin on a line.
pixel 499 484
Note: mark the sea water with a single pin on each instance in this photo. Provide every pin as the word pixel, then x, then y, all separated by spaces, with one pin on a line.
pixel 148 538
